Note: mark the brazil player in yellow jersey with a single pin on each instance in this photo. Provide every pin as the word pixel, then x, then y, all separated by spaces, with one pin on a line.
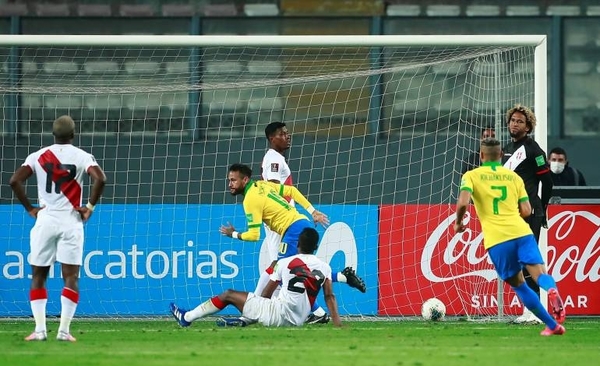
pixel 264 202
pixel 501 203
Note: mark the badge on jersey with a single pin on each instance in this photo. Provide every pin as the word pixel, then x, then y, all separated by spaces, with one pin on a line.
pixel 249 217
pixel 540 161
pixel 274 167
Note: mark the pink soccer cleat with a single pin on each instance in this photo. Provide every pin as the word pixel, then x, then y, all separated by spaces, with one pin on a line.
pixel 62 336
pixel 558 330
pixel 36 336
pixel 556 305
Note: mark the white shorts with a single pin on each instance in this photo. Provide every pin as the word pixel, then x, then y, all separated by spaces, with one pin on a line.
pixel 268 312
pixel 268 249
pixel 55 239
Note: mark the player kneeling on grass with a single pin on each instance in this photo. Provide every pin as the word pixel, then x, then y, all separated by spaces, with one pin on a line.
pixel 501 203
pixel 301 277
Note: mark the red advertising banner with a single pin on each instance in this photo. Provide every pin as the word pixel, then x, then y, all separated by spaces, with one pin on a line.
pixel 574 256
pixel 420 257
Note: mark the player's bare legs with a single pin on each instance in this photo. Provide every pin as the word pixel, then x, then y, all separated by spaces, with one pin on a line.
pixel 68 300
pixel 211 306
pixel 38 297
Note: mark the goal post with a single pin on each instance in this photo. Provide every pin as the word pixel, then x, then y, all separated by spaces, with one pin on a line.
pixel 381 129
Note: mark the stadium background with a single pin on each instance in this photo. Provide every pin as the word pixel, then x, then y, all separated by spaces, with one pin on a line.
pixel 574 83
pixel 176 171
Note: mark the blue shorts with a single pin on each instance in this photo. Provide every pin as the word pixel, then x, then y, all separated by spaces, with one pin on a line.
pixel 289 243
pixel 511 256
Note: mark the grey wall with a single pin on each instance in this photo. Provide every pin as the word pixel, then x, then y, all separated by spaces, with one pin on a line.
pixel 342 170
pixel 336 170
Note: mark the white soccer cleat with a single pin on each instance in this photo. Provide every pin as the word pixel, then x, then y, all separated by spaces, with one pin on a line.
pixel 527 318
pixel 36 336
pixel 62 336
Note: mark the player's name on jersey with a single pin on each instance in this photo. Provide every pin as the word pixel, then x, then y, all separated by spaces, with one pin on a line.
pixel 496 177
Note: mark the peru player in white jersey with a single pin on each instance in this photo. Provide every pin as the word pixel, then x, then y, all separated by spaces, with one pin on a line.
pixel 301 276
pixel 58 231
pixel 274 168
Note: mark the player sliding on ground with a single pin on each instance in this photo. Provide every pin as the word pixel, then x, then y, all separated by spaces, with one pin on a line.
pixel 301 277
pixel 264 202
pixel 501 203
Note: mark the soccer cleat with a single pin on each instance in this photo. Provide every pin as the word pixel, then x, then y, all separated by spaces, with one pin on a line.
pixel 233 322
pixel 179 315
pixel 528 318
pixel 353 280
pixel 36 336
pixel 63 336
pixel 314 319
pixel 558 330
pixel 556 304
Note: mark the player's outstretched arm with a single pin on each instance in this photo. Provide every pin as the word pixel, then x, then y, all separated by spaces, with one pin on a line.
pixel 461 209
pixel 331 303
pixel 16 183
pixel 253 233
pixel 320 218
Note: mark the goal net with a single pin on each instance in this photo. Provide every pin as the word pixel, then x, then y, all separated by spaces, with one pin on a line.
pixel 382 127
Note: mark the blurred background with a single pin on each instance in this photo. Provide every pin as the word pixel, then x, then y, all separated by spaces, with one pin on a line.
pixel 572 27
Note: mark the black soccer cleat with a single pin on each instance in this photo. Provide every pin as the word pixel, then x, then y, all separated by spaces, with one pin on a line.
pixel 313 319
pixel 353 280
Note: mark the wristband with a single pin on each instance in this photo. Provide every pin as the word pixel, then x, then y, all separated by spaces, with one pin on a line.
pixel 236 235
pixel 310 210
pixel 90 207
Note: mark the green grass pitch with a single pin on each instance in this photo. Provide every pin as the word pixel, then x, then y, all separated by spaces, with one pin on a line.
pixel 418 343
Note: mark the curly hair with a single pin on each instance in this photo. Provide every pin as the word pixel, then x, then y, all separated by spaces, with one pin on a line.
pixel 530 119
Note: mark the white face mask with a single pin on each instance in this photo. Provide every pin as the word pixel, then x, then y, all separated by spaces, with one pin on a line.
pixel 557 167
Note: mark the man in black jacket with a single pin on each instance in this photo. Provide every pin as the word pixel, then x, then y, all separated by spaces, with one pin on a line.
pixel 563 174
pixel 526 158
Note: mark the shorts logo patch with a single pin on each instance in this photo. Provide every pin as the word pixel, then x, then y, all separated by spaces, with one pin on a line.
pixel 274 167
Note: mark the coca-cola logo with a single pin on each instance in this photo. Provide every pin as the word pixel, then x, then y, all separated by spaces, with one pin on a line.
pixel 579 257
pixel 466 244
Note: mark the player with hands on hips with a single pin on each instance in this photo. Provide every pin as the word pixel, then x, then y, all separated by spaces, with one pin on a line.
pixel 57 234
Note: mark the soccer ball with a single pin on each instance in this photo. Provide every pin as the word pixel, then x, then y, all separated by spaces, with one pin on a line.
pixel 433 309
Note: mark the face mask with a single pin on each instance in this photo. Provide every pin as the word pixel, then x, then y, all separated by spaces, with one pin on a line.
pixel 557 167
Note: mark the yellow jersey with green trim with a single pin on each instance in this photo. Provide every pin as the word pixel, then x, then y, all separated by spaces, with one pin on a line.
pixel 264 202
pixel 496 192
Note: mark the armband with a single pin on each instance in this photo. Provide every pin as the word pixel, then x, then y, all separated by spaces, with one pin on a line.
pixel 236 235
pixel 90 207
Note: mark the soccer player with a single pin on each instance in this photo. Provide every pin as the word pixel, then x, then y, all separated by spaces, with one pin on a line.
pixel 301 276
pixel 501 202
pixel 57 234
pixel 264 202
pixel 276 169
pixel 473 160
pixel 526 158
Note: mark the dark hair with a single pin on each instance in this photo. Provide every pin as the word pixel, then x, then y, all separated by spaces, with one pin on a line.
pixel 244 170
pixel 558 151
pixel 483 129
pixel 272 128
pixel 530 120
pixel 490 142
pixel 308 241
